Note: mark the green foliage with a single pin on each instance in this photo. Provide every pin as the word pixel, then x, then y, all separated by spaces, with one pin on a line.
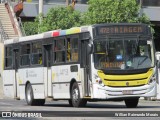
pixel 30 28
pixel 113 11
pixel 60 18
pixel 99 11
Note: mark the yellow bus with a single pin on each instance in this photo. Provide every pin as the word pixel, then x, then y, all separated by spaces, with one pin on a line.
pixel 89 63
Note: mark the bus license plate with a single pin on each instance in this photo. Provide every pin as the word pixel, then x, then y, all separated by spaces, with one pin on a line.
pixel 127 92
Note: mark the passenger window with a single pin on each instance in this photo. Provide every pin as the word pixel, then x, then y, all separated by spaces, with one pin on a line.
pixel 8 57
pixel 59 51
pixel 36 57
pixel 25 54
pixel 74 49
pixel 68 50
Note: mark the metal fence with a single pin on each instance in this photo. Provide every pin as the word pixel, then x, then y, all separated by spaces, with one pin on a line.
pixel 4 36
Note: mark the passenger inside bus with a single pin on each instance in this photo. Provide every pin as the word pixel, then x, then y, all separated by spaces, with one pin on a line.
pixel 40 59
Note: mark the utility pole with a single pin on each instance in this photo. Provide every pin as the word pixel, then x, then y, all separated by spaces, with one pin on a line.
pixel 40 10
pixel 67 2
pixel 141 10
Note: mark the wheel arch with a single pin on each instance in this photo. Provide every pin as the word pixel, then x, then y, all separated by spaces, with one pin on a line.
pixel 26 85
pixel 76 101
pixel 71 83
pixel 73 80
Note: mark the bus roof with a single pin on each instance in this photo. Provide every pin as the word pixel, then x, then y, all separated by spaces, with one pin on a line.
pixel 54 33
pixel 59 32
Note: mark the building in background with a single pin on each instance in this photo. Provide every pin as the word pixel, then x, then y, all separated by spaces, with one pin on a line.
pixel 150 7
pixel 31 7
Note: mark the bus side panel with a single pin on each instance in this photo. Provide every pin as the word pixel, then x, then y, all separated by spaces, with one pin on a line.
pixel 38 91
pixel 49 80
pixel 22 91
pixel 8 83
pixel 55 81
pixel 45 81
pixel 36 78
pixel 61 78
pixel 1 59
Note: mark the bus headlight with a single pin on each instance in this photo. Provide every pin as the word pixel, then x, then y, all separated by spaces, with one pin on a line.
pixel 152 79
pixel 98 80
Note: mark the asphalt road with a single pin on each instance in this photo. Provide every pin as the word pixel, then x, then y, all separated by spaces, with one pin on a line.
pixel 60 110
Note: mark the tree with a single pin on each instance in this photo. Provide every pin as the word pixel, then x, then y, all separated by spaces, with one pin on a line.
pixel 30 28
pixel 60 18
pixel 113 11
pixel 99 11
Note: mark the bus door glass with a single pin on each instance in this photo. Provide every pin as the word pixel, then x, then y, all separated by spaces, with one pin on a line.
pixel 85 63
pixel 47 64
pixel 47 55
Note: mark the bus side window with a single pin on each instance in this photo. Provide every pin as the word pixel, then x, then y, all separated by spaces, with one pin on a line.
pixel 25 54
pixel 8 57
pixel 40 59
pixel 36 58
pixel 59 50
pixel 68 50
pixel 74 49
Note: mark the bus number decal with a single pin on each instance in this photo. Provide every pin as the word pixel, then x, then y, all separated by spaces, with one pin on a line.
pixel 63 72
pixel 30 74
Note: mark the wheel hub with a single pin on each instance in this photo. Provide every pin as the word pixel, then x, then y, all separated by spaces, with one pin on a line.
pixel 75 95
pixel 29 94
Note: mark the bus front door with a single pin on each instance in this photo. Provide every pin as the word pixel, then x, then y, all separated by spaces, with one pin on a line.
pixel 85 64
pixel 16 65
pixel 47 65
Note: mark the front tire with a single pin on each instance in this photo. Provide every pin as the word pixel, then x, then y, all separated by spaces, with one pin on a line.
pixel 132 102
pixel 75 96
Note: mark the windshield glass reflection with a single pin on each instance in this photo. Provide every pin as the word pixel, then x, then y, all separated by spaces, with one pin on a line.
pixel 123 54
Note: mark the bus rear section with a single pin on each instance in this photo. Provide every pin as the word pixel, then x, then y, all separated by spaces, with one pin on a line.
pixel 124 63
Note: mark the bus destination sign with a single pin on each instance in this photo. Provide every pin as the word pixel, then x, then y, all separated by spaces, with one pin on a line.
pixel 121 29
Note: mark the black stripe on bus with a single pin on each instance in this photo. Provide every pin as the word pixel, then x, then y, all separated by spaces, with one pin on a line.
pixel 64 82
pixel 8 84
pixel 126 79
pixel 32 84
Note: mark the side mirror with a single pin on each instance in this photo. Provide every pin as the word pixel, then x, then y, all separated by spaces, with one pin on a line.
pixel 158 64
pixel 89 49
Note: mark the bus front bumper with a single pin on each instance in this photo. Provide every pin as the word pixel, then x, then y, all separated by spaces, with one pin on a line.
pixel 105 92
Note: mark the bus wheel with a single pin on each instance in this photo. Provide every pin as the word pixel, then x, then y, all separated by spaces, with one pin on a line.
pixel 132 102
pixel 75 96
pixel 29 95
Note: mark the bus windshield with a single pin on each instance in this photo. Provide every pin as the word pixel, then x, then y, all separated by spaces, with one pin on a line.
pixel 123 53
